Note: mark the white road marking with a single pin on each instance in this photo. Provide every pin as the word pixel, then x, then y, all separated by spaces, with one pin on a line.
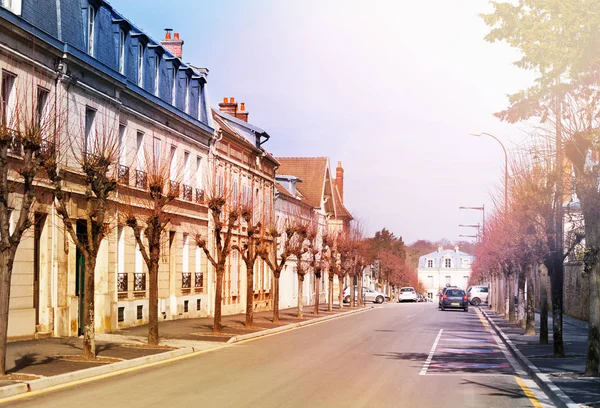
pixel 430 356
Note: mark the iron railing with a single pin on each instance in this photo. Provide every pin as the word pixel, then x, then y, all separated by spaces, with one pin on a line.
pixel 141 179
pixel 122 282
pixel 139 281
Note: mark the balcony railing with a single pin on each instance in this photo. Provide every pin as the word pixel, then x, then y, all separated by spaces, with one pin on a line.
pixel 141 179
pixel 174 188
pixel 198 280
pixel 186 280
pixel 139 281
pixel 187 192
pixel 199 195
pixel 123 174
pixel 122 282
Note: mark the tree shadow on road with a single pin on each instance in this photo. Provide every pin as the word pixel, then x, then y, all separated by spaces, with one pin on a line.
pixel 497 391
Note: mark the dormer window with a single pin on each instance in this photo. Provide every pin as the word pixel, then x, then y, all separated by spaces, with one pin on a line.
pixel 430 263
pixel 122 51
pixel 140 81
pixel 91 29
pixel 12 5
pixel 174 88
pixel 156 73
pixel 187 94
pixel 448 263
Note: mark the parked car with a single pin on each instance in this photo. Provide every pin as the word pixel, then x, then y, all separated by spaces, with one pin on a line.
pixel 441 294
pixel 407 294
pixel 455 299
pixel 478 294
pixel 370 295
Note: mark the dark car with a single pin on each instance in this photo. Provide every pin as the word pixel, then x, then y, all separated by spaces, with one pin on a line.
pixel 441 294
pixel 455 299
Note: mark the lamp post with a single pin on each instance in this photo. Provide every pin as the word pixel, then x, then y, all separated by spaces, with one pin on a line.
pixel 478 226
pixel 482 209
pixel 505 164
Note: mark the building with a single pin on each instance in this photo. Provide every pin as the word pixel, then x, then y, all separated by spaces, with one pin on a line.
pixel 247 172
pixel 445 267
pixel 310 180
pixel 109 78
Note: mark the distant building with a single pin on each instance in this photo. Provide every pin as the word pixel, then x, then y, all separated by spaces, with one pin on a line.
pixel 445 267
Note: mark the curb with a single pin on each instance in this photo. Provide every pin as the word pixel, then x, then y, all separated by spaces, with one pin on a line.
pixel 542 380
pixel 267 332
pixel 47 382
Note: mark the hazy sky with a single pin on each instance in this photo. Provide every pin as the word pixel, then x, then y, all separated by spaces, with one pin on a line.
pixel 390 88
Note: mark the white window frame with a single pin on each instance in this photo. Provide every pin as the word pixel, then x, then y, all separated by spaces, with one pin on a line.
pixel 429 263
pixel 185 254
pixel 140 79
pixel 199 173
pixel 12 5
pixel 141 159
pixel 448 263
pixel 187 94
pixel 186 168
pixel 7 96
pixel 156 73
pixel 156 152
pixel 122 143
pixel 174 85
pixel 90 142
pixel 173 162
pixel 91 30
pixel 122 38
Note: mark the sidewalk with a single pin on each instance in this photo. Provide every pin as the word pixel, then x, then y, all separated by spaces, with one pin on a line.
pixel 565 374
pixel 37 364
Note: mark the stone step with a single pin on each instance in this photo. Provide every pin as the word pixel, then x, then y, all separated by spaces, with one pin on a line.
pixel 43 334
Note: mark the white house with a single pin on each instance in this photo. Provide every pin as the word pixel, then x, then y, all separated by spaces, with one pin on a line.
pixel 445 267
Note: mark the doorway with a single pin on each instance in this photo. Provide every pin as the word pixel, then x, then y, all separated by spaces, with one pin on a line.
pixel 80 277
pixel 38 225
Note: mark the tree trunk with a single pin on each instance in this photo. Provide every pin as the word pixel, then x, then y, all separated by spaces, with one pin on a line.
pixel 341 291
pixel 217 328
pixel 593 352
pixel 153 304
pixel 89 341
pixel 530 315
pixel 276 297
pixel 317 293
pixel 249 294
pixel 360 291
pixel 352 292
pixel 6 265
pixel 512 317
pixel 556 289
pixel 543 305
pixel 300 295
pixel 330 290
pixel 521 298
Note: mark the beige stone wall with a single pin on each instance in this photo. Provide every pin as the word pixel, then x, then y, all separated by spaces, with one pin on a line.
pixel 576 292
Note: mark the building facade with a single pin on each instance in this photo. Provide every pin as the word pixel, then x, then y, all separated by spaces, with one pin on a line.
pixel 109 81
pixel 445 267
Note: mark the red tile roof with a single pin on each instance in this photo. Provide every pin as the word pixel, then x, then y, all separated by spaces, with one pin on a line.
pixel 311 170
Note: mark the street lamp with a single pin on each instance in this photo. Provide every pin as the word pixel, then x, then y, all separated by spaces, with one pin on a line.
pixel 505 164
pixel 482 209
pixel 478 226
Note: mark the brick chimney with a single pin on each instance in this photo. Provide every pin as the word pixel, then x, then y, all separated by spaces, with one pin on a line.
pixel 231 107
pixel 339 180
pixel 175 44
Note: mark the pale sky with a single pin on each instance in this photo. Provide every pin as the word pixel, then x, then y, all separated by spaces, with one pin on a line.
pixel 390 88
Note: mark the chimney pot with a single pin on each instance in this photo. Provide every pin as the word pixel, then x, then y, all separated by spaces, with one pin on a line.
pixel 242 106
pixel 177 36
pixel 231 100
pixel 224 100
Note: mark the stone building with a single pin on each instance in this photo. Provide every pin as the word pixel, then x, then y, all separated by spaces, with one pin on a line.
pixel 110 79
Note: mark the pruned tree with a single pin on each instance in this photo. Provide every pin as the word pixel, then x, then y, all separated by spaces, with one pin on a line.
pixel 332 262
pixel 147 214
pixel 317 250
pixel 225 219
pixel 30 123
pixel 92 159
pixel 276 236
pixel 298 250
pixel 250 252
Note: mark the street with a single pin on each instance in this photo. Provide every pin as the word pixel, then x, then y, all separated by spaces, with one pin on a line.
pixel 398 355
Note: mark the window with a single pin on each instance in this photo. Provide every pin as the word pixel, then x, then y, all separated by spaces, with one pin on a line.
pixel 173 163
pixel 268 208
pixel 140 81
pixel 465 262
pixel 122 143
pixel 186 255
pixel 430 263
pixel 12 5
pixel 156 73
pixel 91 29
pixel 234 273
pixel 186 306
pixel 156 151
pixel 90 130
pixel 448 263
pixel 122 51
pixel 186 168
pixel 121 314
pixel 448 280
pixel 140 312
pixel 41 108
pixel 141 163
pixel 430 281
pixel 8 99
pixel 235 192
pixel 199 172
pixel 120 249
pixel 187 94
pixel 174 86
pixel 198 304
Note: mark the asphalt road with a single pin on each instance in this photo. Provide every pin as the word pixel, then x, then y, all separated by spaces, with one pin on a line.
pixel 397 355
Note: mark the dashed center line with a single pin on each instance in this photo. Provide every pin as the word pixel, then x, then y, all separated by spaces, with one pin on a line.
pixel 430 356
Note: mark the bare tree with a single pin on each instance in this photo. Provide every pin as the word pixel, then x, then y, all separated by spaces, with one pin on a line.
pixel 316 249
pixel 148 216
pixel 298 249
pixel 29 124
pixel 249 249
pixel 97 155
pixel 276 260
pixel 331 257
pixel 225 220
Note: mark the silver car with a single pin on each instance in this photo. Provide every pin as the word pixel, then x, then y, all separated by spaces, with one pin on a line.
pixel 478 294
pixel 370 295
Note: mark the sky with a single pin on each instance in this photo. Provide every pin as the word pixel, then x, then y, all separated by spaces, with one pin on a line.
pixel 392 89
